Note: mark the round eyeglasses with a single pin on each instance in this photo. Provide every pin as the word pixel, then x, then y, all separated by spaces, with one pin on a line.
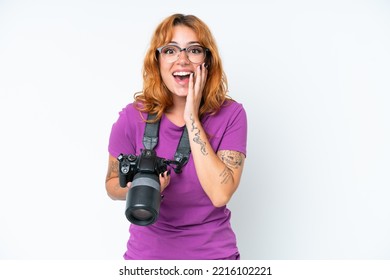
pixel 171 53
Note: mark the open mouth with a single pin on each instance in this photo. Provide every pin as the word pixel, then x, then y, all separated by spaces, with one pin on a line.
pixel 182 76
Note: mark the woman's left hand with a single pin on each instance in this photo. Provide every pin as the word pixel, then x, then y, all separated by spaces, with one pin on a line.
pixel 195 91
pixel 165 178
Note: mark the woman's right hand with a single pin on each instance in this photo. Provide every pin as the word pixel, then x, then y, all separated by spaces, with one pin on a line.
pixel 114 190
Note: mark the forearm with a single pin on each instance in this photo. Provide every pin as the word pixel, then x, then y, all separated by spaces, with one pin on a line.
pixel 114 190
pixel 217 179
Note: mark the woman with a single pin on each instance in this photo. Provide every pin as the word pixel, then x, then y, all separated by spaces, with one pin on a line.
pixel 184 84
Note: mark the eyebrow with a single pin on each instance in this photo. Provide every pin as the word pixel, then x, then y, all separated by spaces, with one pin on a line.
pixel 189 43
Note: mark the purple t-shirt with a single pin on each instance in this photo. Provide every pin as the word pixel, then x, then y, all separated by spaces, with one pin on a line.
pixel 189 226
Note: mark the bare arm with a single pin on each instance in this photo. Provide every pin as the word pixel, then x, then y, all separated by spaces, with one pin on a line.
pixel 114 190
pixel 219 173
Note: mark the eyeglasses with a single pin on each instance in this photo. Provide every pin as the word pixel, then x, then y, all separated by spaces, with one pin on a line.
pixel 171 53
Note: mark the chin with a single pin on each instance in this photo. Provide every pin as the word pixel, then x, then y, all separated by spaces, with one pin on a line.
pixel 181 93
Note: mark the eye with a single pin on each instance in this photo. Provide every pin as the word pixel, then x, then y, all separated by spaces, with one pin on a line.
pixel 195 50
pixel 169 50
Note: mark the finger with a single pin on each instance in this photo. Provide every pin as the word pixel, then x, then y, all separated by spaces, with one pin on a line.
pixel 167 175
pixel 191 84
pixel 198 80
pixel 162 181
pixel 204 73
pixel 165 178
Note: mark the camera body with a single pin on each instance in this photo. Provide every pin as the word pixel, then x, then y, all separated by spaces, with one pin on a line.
pixel 144 198
pixel 148 162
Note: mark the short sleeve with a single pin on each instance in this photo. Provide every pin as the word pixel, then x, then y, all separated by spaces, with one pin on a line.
pixel 235 135
pixel 121 139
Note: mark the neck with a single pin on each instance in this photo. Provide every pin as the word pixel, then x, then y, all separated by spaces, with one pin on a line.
pixel 176 112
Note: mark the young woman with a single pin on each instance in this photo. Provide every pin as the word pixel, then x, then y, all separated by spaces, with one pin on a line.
pixel 185 85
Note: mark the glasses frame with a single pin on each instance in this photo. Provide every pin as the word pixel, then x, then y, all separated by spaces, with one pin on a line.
pixel 206 50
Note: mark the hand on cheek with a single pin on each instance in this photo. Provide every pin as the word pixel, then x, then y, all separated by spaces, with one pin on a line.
pixel 195 90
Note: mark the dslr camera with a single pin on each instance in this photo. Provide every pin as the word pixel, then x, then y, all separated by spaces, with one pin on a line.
pixel 144 198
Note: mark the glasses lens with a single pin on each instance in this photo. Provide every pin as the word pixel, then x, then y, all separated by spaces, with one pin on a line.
pixel 196 54
pixel 170 53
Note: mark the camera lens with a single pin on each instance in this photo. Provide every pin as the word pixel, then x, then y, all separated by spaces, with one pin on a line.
pixel 143 199
pixel 141 214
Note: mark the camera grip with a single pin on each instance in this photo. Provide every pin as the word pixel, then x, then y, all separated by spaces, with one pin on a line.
pixel 123 180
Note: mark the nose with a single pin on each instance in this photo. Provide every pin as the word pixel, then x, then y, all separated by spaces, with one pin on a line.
pixel 183 56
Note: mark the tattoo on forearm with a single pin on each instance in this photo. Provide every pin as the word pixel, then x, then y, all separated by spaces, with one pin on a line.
pixel 113 169
pixel 232 159
pixel 114 166
pixel 197 138
pixel 226 175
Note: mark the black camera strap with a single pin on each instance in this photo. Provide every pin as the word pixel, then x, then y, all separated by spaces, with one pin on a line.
pixel 150 141
pixel 183 151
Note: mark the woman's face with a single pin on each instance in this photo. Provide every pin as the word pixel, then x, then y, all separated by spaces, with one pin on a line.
pixel 176 75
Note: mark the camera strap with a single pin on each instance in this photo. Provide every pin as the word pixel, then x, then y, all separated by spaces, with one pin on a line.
pixel 150 141
pixel 183 151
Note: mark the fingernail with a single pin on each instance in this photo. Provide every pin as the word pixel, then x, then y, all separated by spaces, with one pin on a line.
pixel 169 172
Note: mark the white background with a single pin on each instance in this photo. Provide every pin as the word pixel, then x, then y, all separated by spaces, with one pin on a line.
pixel 314 77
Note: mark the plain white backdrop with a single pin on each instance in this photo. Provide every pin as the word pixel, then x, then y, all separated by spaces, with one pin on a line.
pixel 314 77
